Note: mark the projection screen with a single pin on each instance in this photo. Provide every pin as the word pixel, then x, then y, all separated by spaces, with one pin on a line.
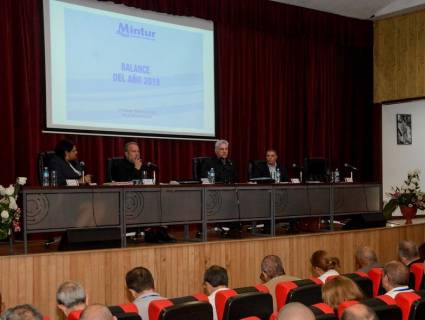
pixel 117 70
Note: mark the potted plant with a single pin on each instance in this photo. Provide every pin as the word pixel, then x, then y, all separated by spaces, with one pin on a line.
pixel 409 198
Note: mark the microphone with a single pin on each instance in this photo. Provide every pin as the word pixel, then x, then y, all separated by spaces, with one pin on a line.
pixel 347 165
pixel 152 165
pixel 82 165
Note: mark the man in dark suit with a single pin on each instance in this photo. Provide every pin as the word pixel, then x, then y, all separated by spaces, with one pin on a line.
pixel 268 168
pixel 131 166
pixel 223 167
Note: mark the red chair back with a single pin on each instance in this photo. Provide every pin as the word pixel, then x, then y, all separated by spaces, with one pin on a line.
pixel 417 272
pixel 182 308
pixel 244 303
pixel 375 275
pixel 307 291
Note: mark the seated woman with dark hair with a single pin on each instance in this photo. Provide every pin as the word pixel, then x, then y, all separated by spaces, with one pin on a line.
pixel 324 266
pixel 66 165
pixel 340 289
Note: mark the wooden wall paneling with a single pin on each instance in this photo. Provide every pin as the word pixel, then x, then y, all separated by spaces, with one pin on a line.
pixel 178 269
pixel 399 57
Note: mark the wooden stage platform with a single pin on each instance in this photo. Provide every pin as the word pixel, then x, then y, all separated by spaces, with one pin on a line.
pixel 178 268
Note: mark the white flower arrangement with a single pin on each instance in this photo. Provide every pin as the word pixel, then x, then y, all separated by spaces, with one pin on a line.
pixel 10 213
pixel 409 194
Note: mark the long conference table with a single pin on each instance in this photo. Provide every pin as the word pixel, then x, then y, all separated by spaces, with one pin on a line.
pixel 48 209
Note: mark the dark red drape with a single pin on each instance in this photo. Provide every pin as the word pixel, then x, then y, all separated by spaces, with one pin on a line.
pixel 289 78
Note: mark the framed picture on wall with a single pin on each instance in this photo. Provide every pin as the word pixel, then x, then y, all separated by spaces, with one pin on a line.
pixel 404 129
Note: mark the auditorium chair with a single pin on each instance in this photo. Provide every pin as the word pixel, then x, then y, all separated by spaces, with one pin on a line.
pixel 74 315
pixel 306 291
pixel 248 302
pixel 127 311
pixel 182 308
pixel 375 274
pixel 197 164
pixel 363 282
pixel 416 279
pixel 412 305
pixel 385 307
pixel 109 164
pixel 344 305
pixel 253 168
pixel 43 160
pixel 322 311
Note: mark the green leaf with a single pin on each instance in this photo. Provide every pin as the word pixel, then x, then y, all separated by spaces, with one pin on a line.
pixel 389 208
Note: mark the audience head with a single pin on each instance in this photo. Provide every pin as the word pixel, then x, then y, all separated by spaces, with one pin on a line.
pixel 96 312
pixel 22 312
pixel 271 267
pixel 132 151
pixel 139 280
pixel 408 251
pixel 295 311
pixel 340 289
pixel 321 262
pixel 66 150
pixel 222 149
pixel 215 277
pixel 359 312
pixel 365 256
pixel 395 274
pixel 70 296
pixel 271 157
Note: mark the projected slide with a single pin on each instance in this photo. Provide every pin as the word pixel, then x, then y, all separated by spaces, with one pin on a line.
pixel 112 72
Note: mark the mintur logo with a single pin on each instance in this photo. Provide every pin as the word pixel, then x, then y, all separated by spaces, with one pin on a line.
pixel 128 31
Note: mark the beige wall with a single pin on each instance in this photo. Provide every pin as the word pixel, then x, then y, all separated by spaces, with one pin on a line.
pixel 399 57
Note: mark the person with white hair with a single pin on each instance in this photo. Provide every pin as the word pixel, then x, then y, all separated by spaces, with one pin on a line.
pixel 295 311
pixel 22 312
pixel 71 299
pixel 366 259
pixel 224 168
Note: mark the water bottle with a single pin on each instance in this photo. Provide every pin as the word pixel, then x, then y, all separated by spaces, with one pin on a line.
pixel 337 176
pixel 53 179
pixel 46 177
pixel 211 176
pixel 277 180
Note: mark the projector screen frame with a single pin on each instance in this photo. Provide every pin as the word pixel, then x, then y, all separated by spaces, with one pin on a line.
pixel 46 77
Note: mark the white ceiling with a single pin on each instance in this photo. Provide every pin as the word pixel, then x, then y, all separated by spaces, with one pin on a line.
pixel 361 9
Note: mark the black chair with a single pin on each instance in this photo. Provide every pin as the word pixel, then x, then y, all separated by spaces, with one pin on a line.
pixel 412 304
pixel 42 162
pixel 197 164
pixel 244 302
pixel 253 168
pixel 182 308
pixel 109 164
pixel 315 169
pixel 363 282
pixel 384 307
pixel 322 311
pixel 306 291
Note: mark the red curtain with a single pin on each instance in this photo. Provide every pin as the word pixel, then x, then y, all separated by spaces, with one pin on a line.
pixel 289 78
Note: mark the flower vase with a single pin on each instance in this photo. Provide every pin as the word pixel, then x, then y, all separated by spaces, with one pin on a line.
pixel 408 213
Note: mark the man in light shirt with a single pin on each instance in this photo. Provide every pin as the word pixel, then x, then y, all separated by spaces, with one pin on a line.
pixel 141 286
pixel 395 278
pixel 215 280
